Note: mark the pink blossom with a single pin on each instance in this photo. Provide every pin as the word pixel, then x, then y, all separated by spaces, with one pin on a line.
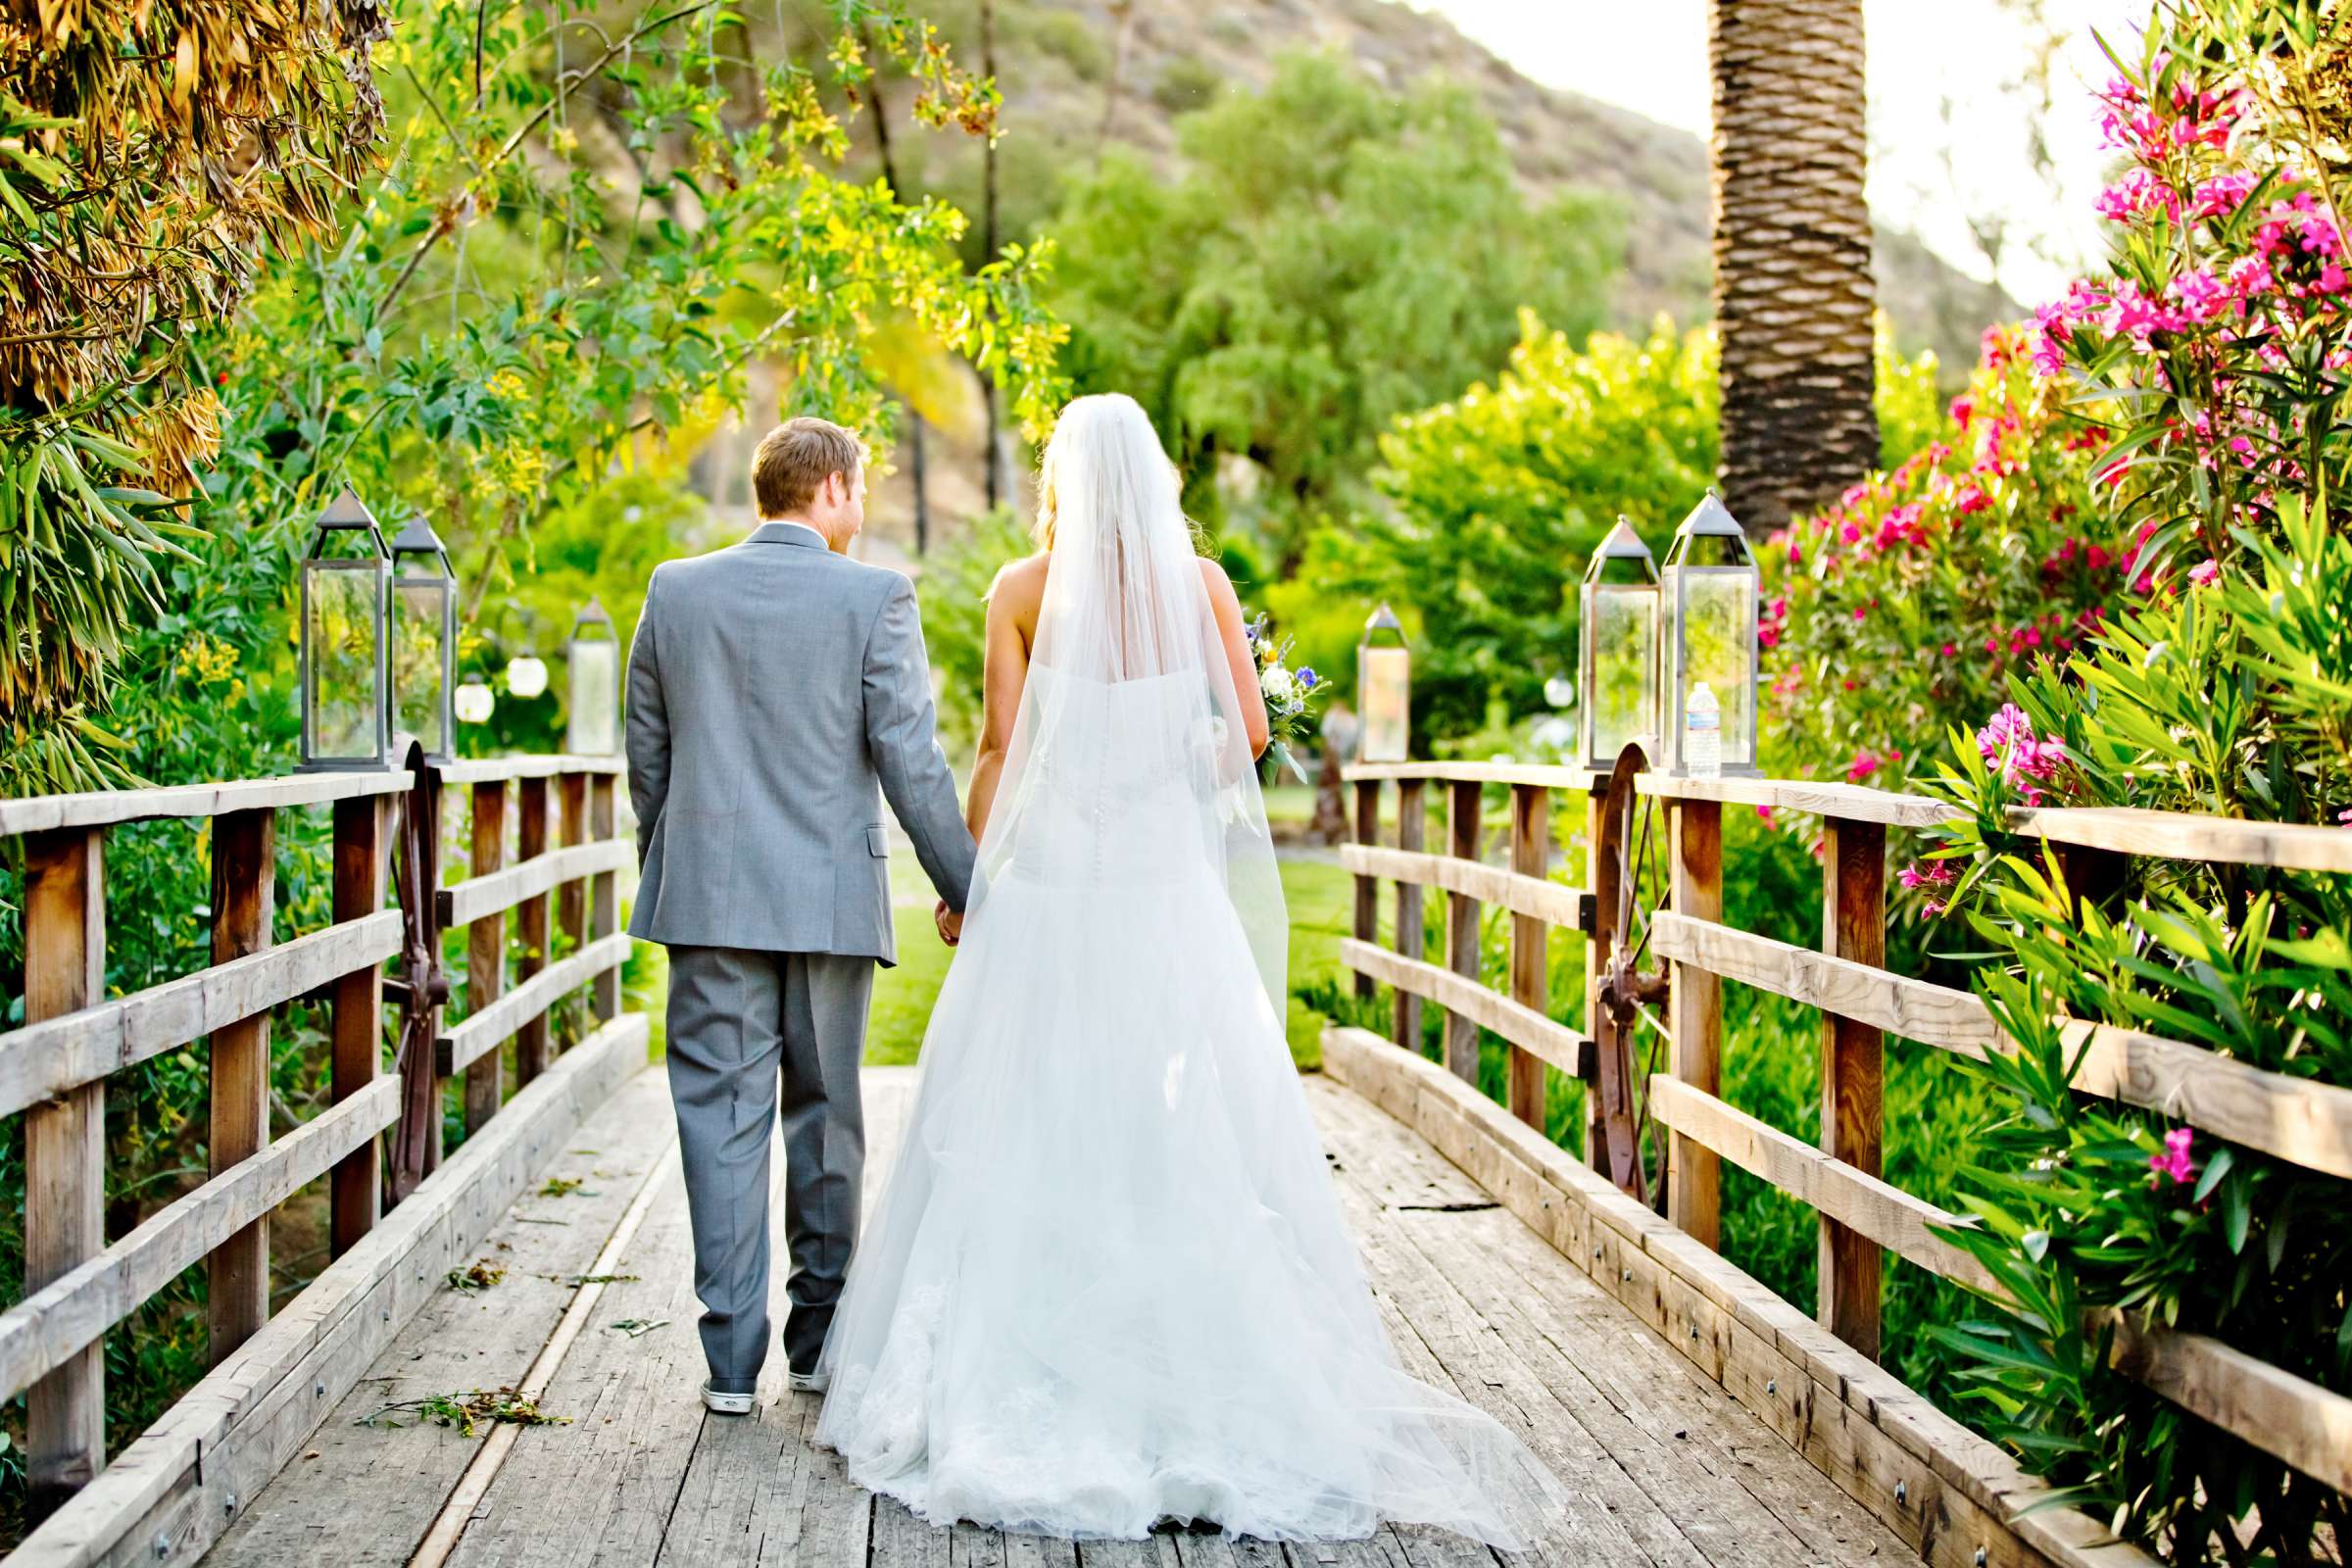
pixel 2138 191
pixel 1937 874
pixel 2205 573
pixel 2174 1161
pixel 2199 294
pixel 1862 767
pixel 2221 195
pixel 1933 909
pixel 1949 650
pixel 2008 742
pixel 2250 275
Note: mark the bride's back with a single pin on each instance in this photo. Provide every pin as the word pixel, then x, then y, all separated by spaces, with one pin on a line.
pixel 1129 766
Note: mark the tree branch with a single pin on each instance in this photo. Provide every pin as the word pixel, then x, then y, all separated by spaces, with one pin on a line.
pixel 564 89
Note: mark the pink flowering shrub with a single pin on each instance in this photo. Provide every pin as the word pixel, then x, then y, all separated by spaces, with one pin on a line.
pixel 2209 366
pixel 1906 605
pixel 2216 346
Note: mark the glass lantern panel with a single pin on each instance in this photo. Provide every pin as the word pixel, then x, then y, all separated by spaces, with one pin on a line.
pixel 1718 643
pixel 419 662
pixel 340 705
pixel 1625 670
pixel 594 699
pixel 1384 688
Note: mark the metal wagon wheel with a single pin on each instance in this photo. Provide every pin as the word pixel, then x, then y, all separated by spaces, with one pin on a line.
pixel 1629 884
pixel 423 985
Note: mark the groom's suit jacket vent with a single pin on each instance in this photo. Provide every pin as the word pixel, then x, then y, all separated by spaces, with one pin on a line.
pixel 777 693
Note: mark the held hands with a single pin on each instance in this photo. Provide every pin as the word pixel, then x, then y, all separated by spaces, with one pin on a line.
pixel 949 924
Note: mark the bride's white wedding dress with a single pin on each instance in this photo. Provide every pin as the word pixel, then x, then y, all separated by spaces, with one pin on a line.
pixel 1108 1281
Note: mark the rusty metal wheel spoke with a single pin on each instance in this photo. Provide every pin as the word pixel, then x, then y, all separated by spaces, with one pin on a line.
pixel 1624 862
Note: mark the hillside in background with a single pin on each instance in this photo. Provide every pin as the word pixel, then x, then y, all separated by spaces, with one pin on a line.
pixel 1078 76
pixel 1074 78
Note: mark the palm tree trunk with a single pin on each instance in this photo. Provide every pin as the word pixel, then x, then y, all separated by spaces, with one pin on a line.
pixel 1793 296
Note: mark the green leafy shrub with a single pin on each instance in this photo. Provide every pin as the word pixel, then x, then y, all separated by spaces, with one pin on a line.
pixel 954 595
pixel 2230 698
pixel 1188 82
pixel 1490 507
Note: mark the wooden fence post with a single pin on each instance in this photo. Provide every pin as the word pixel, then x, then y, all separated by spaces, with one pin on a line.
pixel 244 890
pixel 486 952
pixel 604 899
pixel 1367 889
pixel 65 1154
pixel 1602 880
pixel 1853 864
pixel 1413 821
pixel 1695 1015
pixel 1531 846
pixel 530 927
pixel 358 1023
pixel 1461 928
pixel 571 899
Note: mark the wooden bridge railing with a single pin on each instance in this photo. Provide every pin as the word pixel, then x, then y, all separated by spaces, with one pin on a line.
pixel 54 1071
pixel 1860 1215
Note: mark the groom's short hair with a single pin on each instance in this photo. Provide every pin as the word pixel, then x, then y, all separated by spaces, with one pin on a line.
pixel 794 461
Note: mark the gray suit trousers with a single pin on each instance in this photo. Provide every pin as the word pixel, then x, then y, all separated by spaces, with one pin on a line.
pixel 740 1023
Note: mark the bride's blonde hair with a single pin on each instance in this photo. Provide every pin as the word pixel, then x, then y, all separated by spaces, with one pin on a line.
pixel 1093 417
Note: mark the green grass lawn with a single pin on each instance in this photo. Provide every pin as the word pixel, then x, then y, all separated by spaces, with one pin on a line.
pixel 1321 909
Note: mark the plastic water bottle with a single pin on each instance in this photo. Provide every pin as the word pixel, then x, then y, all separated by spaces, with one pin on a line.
pixel 1703 733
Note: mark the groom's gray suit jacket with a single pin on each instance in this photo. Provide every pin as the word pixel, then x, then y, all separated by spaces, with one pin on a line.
pixel 777 692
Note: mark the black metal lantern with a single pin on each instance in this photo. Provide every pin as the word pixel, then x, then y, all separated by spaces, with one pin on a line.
pixel 593 725
pixel 346 674
pixel 1617 638
pixel 424 639
pixel 1384 689
pixel 1709 703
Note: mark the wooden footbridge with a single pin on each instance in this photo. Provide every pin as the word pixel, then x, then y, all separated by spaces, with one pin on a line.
pixel 542 1263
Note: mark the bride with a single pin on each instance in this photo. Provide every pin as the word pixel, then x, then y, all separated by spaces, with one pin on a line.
pixel 1107 1281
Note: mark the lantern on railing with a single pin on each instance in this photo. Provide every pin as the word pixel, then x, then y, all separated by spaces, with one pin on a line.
pixel 346 679
pixel 1384 689
pixel 593 655
pixel 1711 587
pixel 1617 649
pixel 424 639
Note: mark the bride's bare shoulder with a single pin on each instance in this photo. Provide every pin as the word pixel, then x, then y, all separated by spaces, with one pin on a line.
pixel 1020 586
pixel 1219 585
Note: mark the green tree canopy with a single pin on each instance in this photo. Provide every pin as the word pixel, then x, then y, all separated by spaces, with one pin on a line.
pixel 1331 256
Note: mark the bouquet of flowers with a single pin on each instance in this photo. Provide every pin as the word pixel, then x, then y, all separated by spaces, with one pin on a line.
pixel 1287 694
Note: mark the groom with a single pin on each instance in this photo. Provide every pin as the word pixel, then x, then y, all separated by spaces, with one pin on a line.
pixel 773 685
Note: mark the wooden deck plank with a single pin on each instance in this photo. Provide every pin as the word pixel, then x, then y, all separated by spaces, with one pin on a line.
pixel 456 1343
pixel 1666 1470
pixel 1513 1280
pixel 602 1488
pixel 1613 1521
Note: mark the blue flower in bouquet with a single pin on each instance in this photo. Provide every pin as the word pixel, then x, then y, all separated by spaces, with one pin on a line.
pixel 1307 678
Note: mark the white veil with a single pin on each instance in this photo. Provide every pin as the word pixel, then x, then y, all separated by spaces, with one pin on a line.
pixel 1129 763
